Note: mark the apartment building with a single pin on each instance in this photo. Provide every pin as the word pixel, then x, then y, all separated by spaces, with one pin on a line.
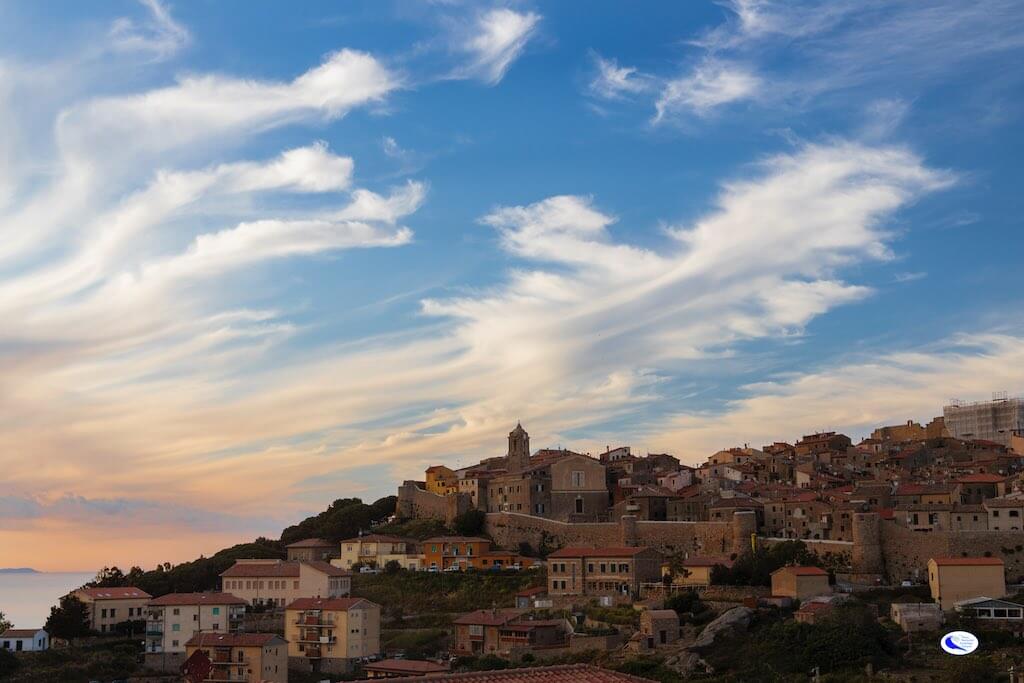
pixel 1005 513
pixel 954 579
pixel 277 583
pixel 602 571
pixel 173 619
pixel 108 607
pixel 502 631
pixel 468 552
pixel 441 480
pixel 243 657
pixel 377 550
pixel 329 634
pixel 579 492
pixel 312 549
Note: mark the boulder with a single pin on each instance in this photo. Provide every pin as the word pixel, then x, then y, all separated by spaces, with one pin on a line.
pixel 733 621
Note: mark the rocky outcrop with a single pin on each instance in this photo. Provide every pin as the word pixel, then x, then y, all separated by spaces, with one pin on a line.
pixel 734 621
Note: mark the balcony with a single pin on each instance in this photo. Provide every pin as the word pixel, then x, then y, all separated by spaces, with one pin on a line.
pixel 319 622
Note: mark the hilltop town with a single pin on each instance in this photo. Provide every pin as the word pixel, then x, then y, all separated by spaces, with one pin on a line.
pixel 552 562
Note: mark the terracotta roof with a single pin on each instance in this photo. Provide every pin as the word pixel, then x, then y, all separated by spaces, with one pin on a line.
pixel 536 590
pixel 123 593
pixel 980 479
pixel 20 633
pixel 310 543
pixel 597 552
pixel 406 666
pixel 803 571
pixel 563 673
pixel 379 538
pixel 456 539
pixel 707 562
pixel 233 639
pixel 339 604
pixel 967 561
pixel 488 617
pixel 279 568
pixel 196 599
pixel 923 489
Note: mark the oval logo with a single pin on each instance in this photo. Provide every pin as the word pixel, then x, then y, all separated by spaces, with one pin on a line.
pixel 959 643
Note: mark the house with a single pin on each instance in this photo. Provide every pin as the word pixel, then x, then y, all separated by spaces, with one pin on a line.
pixel 174 618
pixel 442 480
pixel 1005 512
pixel 330 634
pixel 468 552
pixel 502 631
pixel 403 668
pixel 990 608
pixel 812 612
pixel 823 442
pixel 312 549
pixel 954 579
pixel 25 640
pixel 245 657
pixel 279 582
pixel 916 616
pixel 942 493
pixel 108 607
pixel 530 598
pixel 579 492
pixel 602 571
pixel 978 487
pixel 377 550
pixel 659 627
pixel 675 481
pixel 696 571
pixel 800 583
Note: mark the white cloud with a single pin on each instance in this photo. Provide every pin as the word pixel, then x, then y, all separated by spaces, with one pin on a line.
pixel 708 86
pixel 161 36
pixel 496 40
pixel 613 81
pixel 846 397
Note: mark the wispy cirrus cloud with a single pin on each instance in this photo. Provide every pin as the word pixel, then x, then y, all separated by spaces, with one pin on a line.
pixel 710 85
pixel 159 36
pixel 492 42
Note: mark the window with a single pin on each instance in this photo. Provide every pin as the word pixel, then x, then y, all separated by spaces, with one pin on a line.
pixel 216 611
pixel 113 613
pixel 577 479
pixel 216 627
pixel 176 611
pixel 476 630
pixel 103 613
pixel 1015 513
pixel 603 568
pixel 176 627
pixel 296 585
pixel 174 643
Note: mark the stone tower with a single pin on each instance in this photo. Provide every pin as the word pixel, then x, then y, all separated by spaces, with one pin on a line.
pixel 518 458
pixel 867 558
pixel 744 527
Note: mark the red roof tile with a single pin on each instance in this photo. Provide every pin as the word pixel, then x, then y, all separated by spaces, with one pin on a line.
pixel 279 568
pixel 488 617
pixel 20 633
pixel 981 479
pixel 803 571
pixel 967 561
pixel 311 543
pixel 563 673
pixel 338 604
pixel 196 599
pixel 125 593
pixel 233 639
pixel 405 666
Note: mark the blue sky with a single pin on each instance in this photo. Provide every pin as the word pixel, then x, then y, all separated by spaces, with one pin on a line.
pixel 297 253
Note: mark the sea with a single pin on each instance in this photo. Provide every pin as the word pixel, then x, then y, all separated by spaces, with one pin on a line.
pixel 25 599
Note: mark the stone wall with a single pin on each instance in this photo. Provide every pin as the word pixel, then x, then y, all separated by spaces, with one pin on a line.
pixel 416 503
pixel 509 529
pixel 906 550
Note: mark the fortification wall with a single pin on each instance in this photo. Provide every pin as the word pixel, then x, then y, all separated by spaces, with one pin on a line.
pixel 415 503
pixel 509 529
pixel 906 550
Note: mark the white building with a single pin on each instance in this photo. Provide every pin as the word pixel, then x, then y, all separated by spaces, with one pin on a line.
pixel 174 618
pixel 994 420
pixel 25 640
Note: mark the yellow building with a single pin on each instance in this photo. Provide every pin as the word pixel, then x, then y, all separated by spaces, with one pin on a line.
pixel 800 582
pixel 442 480
pixel 243 657
pixel 953 579
pixel 328 635
pixel 277 583
pixel 378 550
pixel 696 571
pixel 110 606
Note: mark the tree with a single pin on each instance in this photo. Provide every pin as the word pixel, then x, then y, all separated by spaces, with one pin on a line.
pixel 68 620
pixel 4 624
pixel 470 523
pixel 755 569
pixel 392 567
pixel 109 577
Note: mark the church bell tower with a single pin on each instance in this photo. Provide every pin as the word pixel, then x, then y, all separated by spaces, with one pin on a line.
pixel 518 449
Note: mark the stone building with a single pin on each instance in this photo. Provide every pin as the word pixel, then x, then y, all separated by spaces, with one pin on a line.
pixel 602 571
pixel 579 492
pixel 312 549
